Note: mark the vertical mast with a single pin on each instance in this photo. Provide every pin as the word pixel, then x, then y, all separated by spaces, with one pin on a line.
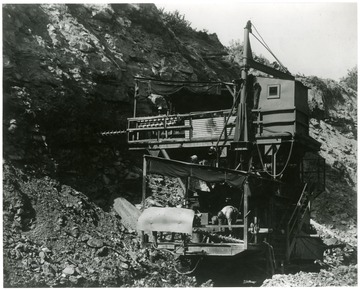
pixel 241 133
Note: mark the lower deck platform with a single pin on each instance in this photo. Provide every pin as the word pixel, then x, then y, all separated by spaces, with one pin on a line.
pixel 177 143
pixel 204 249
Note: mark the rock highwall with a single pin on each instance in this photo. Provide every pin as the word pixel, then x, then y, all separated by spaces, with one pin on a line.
pixel 69 74
pixel 333 108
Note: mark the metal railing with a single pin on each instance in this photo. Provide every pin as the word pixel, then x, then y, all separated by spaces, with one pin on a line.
pixel 168 127
pixel 289 119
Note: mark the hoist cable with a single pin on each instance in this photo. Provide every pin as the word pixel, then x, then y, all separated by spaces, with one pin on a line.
pixel 262 41
pixel 268 49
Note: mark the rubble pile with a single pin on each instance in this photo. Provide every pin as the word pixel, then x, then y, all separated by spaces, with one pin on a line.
pixel 338 267
pixel 164 191
pixel 340 276
pixel 54 236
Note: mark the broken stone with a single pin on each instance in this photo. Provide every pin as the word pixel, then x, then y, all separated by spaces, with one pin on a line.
pixel 19 246
pixel 55 268
pixel 104 251
pixel 85 238
pixel 62 280
pixel 46 250
pixel 42 255
pixel 69 270
pixel 73 279
pixel 123 265
pixel 33 264
pixel 48 270
pixel 75 232
pixel 330 241
pixel 122 258
pixel 95 243
pixel 61 221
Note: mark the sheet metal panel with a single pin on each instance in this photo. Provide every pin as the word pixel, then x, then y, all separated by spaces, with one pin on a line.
pixel 286 98
pixel 210 127
pixel 281 119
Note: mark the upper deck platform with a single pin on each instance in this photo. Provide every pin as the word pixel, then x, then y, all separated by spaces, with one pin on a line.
pixel 197 129
pixel 215 128
pixel 202 115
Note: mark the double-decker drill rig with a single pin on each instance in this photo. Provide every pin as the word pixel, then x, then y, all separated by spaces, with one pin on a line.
pixel 253 135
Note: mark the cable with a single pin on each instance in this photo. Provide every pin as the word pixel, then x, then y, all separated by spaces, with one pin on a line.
pixel 269 50
pixel 285 166
pixel 188 272
pixel 262 41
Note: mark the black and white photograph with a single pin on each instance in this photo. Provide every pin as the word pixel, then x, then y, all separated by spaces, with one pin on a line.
pixel 179 144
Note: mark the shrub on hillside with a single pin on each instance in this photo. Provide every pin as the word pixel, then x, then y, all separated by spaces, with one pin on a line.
pixel 351 79
pixel 176 21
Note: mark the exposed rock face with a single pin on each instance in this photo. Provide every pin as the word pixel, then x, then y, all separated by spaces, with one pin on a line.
pixel 69 74
pixel 334 103
pixel 337 148
pixel 97 49
pixel 334 123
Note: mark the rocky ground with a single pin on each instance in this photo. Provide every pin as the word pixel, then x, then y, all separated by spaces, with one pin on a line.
pixel 55 237
pixel 340 276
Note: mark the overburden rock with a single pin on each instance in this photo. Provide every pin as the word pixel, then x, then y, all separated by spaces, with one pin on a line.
pixel 75 64
pixel 332 102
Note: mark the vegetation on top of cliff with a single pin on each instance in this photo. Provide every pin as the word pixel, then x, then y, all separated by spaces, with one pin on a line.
pixel 175 21
pixel 351 79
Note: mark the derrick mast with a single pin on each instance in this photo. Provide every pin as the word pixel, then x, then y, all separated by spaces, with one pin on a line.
pixel 271 140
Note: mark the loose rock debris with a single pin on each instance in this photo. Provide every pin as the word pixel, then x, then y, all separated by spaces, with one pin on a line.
pixel 339 276
pixel 56 237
